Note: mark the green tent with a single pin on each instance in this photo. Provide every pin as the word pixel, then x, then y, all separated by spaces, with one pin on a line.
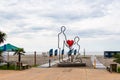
pixel 8 47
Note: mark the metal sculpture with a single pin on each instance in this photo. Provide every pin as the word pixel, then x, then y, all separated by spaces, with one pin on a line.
pixel 62 42
pixel 76 42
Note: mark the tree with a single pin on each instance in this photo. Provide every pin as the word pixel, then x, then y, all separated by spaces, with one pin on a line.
pixel 19 52
pixel 0 55
pixel 2 37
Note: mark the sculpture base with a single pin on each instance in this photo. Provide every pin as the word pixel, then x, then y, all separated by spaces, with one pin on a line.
pixel 71 64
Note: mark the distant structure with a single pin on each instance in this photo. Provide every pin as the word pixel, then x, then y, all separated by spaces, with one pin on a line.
pixel 110 54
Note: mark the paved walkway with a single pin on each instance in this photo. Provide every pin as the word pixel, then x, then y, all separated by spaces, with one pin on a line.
pixel 52 63
pixel 59 74
pixel 98 64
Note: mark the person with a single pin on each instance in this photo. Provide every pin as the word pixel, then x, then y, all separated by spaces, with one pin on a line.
pixel 61 40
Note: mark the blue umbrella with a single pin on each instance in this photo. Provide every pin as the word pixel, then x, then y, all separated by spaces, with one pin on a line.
pixel 8 47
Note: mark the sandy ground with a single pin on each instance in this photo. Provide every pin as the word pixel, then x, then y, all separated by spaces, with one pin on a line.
pixel 59 74
pixel 55 73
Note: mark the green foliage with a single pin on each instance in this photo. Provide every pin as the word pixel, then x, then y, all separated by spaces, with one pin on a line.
pixel 19 52
pixel 35 65
pixel 117 58
pixel 118 69
pixel 2 37
pixel 11 67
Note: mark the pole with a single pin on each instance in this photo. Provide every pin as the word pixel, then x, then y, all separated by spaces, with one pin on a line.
pixel 35 58
pixel 8 57
pixel 94 63
pixel 84 52
pixel 49 62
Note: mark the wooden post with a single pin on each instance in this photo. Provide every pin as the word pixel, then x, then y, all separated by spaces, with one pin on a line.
pixel 49 62
pixel 94 63
pixel 35 58
pixel 8 57
pixel 84 52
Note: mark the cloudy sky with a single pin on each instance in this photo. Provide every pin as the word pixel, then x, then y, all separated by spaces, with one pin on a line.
pixel 34 24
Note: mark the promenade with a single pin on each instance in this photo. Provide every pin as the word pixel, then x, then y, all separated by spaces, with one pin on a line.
pixel 97 63
pixel 52 63
pixel 59 74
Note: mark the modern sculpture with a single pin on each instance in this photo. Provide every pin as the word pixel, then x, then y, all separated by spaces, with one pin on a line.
pixel 61 41
pixel 73 52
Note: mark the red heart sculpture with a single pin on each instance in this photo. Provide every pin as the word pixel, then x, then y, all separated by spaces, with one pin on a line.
pixel 70 42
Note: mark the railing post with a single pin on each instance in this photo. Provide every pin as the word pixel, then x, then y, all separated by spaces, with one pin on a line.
pixel 35 58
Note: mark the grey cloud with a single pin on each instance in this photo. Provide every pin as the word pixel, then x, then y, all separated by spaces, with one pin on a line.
pixel 9 16
pixel 98 2
pixel 70 17
pixel 32 30
pixel 54 10
pixel 57 12
pixel 38 28
pixel 95 33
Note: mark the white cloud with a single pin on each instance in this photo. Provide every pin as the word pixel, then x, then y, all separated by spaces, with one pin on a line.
pixel 36 21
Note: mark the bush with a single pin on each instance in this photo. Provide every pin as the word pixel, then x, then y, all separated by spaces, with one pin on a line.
pixel 117 61
pixel 118 69
pixel 117 55
pixel 11 67
pixel 117 58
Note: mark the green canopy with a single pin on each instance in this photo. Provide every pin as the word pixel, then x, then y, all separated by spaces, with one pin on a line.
pixel 8 47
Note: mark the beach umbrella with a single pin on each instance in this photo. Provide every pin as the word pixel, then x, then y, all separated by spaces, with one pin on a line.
pixel 8 47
